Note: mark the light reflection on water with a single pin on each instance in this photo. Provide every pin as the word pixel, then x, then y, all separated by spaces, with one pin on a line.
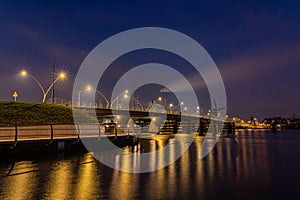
pixel 256 164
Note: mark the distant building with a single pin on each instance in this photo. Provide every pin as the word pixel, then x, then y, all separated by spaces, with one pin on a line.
pixel 295 124
pixel 280 122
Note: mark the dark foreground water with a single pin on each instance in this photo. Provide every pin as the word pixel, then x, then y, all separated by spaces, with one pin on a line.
pixel 255 165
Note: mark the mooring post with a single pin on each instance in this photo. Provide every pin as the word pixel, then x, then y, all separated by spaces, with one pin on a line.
pixel 16 136
pixel 99 133
pixel 51 135
pixel 78 133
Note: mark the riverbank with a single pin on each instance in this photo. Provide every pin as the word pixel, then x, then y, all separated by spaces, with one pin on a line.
pixel 38 113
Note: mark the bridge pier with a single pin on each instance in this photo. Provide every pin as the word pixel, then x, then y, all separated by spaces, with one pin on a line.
pixel 175 126
pixel 231 129
pixel 201 127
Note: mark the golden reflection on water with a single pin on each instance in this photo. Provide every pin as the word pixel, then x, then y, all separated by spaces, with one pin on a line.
pixel 21 181
pixel 83 177
pixel 199 169
pixel 160 174
pixel 59 183
pixel 88 184
pixel 184 168
pixel 172 169
pixel 252 146
pixel 124 184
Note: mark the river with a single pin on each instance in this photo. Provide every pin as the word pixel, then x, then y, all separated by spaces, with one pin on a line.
pixel 256 164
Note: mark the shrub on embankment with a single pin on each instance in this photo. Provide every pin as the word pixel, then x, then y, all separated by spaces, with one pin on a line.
pixel 38 113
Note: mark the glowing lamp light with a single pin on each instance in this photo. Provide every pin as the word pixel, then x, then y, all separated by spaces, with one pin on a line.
pixel 88 88
pixel 62 75
pixel 23 73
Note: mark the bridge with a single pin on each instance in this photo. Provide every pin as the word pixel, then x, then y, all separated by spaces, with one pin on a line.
pixel 159 122
pixel 121 126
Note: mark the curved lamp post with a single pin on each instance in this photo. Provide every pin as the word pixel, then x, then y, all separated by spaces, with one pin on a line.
pixel 89 88
pixel 138 102
pixel 117 99
pixel 151 103
pixel 179 105
pixel 61 75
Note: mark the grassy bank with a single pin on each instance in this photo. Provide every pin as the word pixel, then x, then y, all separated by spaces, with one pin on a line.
pixel 38 113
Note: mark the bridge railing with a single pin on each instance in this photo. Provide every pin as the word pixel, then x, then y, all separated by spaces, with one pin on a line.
pixel 14 133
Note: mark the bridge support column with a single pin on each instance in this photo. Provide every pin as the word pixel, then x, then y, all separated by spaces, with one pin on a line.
pixel 175 126
pixel 188 126
pixel 233 129
pixel 116 131
pixel 201 127
pixel 215 127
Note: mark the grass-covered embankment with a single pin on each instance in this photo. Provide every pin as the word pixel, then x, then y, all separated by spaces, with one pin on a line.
pixel 38 113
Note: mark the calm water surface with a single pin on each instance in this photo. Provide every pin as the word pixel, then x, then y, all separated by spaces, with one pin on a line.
pixel 255 165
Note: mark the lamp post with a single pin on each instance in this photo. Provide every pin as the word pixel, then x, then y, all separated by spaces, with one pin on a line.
pixel 171 106
pixel 138 103
pixel 61 75
pixel 198 110
pixel 117 98
pixel 79 98
pixel 89 88
pixel 180 104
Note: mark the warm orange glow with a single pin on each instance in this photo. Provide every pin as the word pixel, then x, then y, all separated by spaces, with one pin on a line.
pixel 15 94
pixel 159 98
pixel 88 88
pixel 62 75
pixel 23 73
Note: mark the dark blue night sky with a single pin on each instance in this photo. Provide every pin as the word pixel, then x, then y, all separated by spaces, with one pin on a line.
pixel 255 44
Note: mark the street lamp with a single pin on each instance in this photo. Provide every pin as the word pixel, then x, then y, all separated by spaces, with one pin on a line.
pixel 61 75
pixel 137 101
pixel 171 106
pixel 79 98
pixel 198 110
pixel 185 109
pixel 89 88
pixel 180 104
pixel 125 93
